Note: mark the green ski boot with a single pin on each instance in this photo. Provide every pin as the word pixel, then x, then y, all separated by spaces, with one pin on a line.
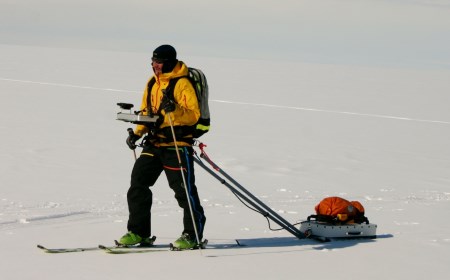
pixel 130 239
pixel 185 242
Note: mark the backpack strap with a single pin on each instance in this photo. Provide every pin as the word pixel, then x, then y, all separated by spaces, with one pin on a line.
pixel 150 85
pixel 180 131
pixel 167 92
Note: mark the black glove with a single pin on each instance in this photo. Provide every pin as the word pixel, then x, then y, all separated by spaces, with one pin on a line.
pixel 167 105
pixel 131 139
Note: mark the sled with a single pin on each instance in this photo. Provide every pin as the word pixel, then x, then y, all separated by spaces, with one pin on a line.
pixel 333 231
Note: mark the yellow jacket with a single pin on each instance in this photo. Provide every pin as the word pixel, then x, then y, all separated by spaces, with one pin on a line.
pixel 187 111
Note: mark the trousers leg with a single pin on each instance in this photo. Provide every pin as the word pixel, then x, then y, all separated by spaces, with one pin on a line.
pixel 146 171
pixel 175 180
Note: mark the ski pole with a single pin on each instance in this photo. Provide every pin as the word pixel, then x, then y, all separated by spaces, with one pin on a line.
pixel 131 133
pixel 184 181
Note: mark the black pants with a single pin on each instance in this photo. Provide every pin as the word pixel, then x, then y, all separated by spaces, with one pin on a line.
pixel 146 171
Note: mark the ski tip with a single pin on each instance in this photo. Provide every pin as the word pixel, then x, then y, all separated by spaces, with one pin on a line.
pixel 41 247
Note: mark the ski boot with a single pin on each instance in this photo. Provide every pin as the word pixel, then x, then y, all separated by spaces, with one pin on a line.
pixel 186 242
pixel 132 239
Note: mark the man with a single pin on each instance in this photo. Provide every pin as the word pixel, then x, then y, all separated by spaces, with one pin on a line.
pixel 159 152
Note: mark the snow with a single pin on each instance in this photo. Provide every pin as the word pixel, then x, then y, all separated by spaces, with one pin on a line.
pixel 308 98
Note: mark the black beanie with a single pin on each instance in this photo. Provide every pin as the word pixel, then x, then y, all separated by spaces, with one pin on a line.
pixel 167 55
pixel 165 52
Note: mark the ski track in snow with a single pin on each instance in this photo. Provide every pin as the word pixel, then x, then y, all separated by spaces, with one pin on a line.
pixel 43 218
pixel 242 103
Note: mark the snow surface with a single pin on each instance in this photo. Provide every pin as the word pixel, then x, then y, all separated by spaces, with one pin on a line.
pixel 308 98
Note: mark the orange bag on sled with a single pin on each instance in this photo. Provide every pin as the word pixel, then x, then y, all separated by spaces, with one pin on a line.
pixel 338 210
pixel 338 218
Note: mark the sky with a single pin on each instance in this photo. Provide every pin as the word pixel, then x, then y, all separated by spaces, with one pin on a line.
pixel 397 33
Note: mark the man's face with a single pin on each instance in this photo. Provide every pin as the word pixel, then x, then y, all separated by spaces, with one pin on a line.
pixel 157 67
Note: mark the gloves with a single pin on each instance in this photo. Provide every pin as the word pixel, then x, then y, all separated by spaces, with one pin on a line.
pixel 167 105
pixel 131 139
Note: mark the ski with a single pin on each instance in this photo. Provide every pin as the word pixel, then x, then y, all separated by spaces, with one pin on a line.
pixel 132 249
pixel 66 250
pixel 83 249
pixel 120 249
pixel 147 248
pixel 108 249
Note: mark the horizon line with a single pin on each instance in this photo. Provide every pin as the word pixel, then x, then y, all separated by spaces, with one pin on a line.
pixel 243 103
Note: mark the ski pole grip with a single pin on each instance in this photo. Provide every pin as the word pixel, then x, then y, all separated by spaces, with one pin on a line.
pixel 130 131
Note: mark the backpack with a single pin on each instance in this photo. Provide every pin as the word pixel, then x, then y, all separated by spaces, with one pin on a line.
pixel 337 210
pixel 200 84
